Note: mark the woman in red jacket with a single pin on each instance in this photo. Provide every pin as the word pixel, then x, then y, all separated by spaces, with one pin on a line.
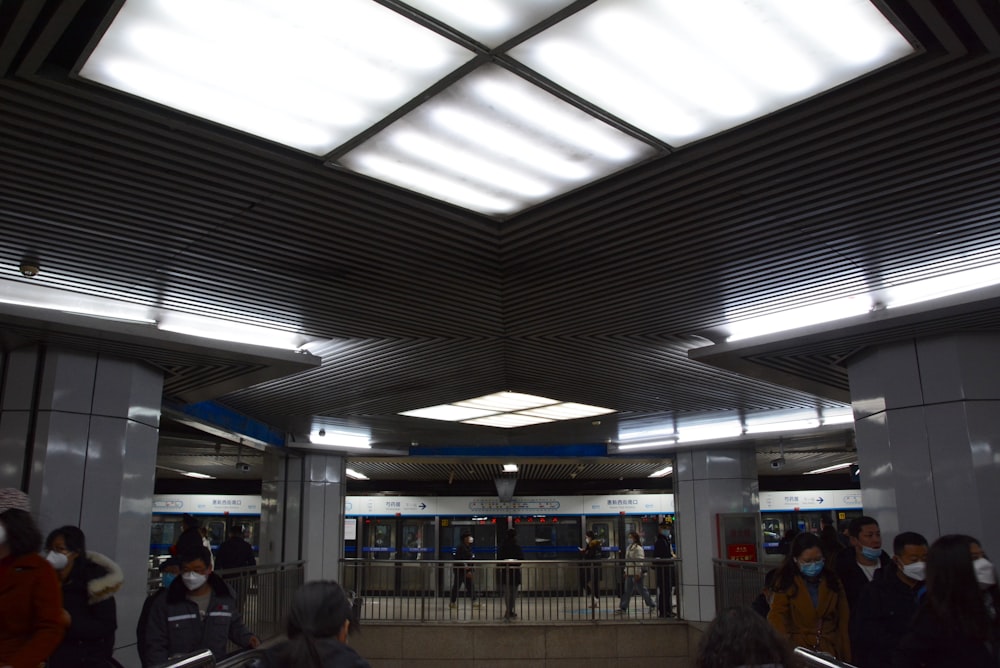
pixel 32 619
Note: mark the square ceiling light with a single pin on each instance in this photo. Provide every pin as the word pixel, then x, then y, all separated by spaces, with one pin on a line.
pixel 508 409
pixel 683 71
pixel 309 74
pixel 490 22
pixel 495 143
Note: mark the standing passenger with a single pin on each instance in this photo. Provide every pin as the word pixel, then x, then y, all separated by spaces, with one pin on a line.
pixel 635 571
pixel 809 607
pixel 320 619
pixel 510 575
pixel 89 582
pixel 32 619
pixel 170 569
pixel 664 586
pixel 592 554
pixel 463 573
pixel 858 566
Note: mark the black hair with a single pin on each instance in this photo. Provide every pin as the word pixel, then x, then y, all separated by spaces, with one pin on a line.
pixel 854 528
pixel 741 637
pixel 512 534
pixel 23 536
pixel 953 592
pixel 190 521
pixel 784 580
pixel 635 537
pixel 202 553
pixel 75 542
pixel 900 542
pixel 319 610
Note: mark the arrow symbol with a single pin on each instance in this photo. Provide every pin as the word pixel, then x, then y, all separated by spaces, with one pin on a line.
pixel 819 499
pixel 422 505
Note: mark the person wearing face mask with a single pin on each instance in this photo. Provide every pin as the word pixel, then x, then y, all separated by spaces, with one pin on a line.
pixel 862 563
pixel 170 570
pixel 89 582
pixel 957 623
pixel 198 612
pixel 462 573
pixel 32 619
pixel 885 608
pixel 663 549
pixel 809 607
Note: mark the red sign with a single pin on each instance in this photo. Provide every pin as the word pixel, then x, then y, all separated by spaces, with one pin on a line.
pixel 741 552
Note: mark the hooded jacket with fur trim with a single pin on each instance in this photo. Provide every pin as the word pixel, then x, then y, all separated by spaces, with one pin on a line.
pixel 88 596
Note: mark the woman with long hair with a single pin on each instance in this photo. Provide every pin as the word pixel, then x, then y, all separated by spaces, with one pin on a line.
pixel 318 624
pixel 957 623
pixel 89 582
pixel 32 619
pixel 809 607
pixel 741 637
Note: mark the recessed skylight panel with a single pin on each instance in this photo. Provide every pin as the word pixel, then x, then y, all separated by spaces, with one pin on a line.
pixel 502 402
pixel 507 420
pixel 448 412
pixel 490 22
pixel 566 411
pixel 306 73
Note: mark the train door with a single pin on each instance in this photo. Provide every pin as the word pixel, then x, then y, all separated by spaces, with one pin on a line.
pixel 417 544
pixel 379 545
pixel 484 546
pixel 549 538
pixel 608 530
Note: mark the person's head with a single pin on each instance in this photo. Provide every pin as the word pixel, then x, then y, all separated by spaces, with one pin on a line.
pixel 196 566
pixel 467 538
pixel 19 535
pixel 67 546
pixel 169 570
pixel 909 553
pixel 741 637
pixel 634 537
pixel 591 535
pixel 665 527
pixel 189 521
pixel 512 535
pixel 866 537
pixel 790 534
pixel 320 609
pixel 805 558
pixel 236 532
pixel 954 583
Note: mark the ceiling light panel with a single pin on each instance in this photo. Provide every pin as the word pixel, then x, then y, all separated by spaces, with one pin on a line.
pixel 566 411
pixel 490 22
pixel 494 143
pixel 305 73
pixel 507 420
pixel 448 412
pixel 502 402
pixel 683 71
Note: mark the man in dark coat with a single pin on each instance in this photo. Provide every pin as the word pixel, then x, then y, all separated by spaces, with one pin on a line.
pixel 510 575
pixel 234 552
pixel 862 563
pixel 662 549
pixel 885 609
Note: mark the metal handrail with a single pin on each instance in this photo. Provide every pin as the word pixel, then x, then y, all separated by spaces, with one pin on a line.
pixel 813 659
pixel 200 659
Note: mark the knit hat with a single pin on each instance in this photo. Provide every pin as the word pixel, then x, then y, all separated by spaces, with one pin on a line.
pixel 14 499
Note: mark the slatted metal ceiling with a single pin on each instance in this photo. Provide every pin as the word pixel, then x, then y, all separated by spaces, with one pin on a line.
pixel 596 297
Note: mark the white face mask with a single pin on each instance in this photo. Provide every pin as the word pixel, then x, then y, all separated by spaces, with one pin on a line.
pixel 194 580
pixel 985 573
pixel 915 571
pixel 58 560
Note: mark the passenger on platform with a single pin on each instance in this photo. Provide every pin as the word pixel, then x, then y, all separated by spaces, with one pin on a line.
pixel 809 607
pixel 320 619
pixel 592 554
pixel 189 540
pixel 463 573
pixel 510 574
pixel 32 618
pixel 844 536
pixel 635 571
pixel 235 552
pixel 862 563
pixel 170 569
pixel 89 582
pixel 957 624
pixel 885 609
pixel 739 637
pixel 663 549
pixel 198 612
pixel 831 542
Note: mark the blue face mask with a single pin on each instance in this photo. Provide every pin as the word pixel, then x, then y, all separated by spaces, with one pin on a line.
pixel 813 569
pixel 871 552
pixel 168 579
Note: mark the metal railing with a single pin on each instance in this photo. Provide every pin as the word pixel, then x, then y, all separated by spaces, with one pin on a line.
pixel 205 659
pixel 737 583
pixel 549 590
pixel 812 659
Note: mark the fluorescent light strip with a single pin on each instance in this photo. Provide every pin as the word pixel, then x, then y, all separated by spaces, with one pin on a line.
pixel 827 469
pixel 814 314
pixel 840 418
pixel 709 432
pixel 340 439
pixel 219 330
pixel 510 468
pixel 351 473
pixel 189 474
pixel 662 473
pixel 645 433
pixel 651 444
pixel 791 425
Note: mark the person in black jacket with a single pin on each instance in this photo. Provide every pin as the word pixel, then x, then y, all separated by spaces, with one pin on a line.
pixel 190 539
pixel 884 611
pixel 510 575
pixel 862 563
pixel 170 569
pixel 320 619
pixel 957 623
pixel 462 572
pixel 89 582
pixel 664 582
pixel 234 552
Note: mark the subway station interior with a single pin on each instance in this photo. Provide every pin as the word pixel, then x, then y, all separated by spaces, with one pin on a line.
pixel 797 295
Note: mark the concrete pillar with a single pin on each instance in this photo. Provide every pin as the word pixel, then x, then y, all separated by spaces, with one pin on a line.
pixel 927 419
pixel 281 509
pixel 324 491
pixel 79 431
pixel 708 482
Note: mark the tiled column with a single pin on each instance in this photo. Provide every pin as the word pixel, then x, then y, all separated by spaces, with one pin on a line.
pixel 708 482
pixel 927 418
pixel 281 509
pixel 79 431
pixel 323 495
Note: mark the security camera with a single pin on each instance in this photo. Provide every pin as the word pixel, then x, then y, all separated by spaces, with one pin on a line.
pixel 777 463
pixel 243 467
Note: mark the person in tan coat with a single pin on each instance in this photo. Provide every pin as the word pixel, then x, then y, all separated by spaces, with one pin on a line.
pixel 810 606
